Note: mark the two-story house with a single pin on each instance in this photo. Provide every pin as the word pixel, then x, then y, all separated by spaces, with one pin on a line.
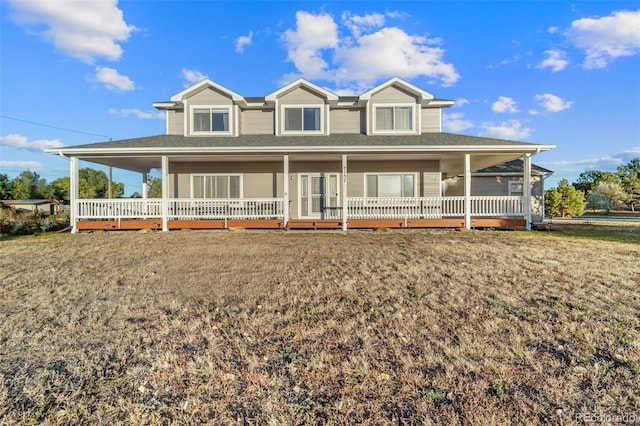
pixel 304 157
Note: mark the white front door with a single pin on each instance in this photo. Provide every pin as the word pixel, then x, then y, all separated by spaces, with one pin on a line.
pixel 318 195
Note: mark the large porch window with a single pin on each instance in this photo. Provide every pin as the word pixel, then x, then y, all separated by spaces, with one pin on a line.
pixel 391 185
pixel 216 186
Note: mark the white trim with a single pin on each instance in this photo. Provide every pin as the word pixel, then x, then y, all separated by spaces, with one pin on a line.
pixel 467 191
pixel 416 183
pixel 515 182
pixel 343 202
pixel 236 119
pixel 285 190
pixel 301 82
pixel 283 131
pixel 423 94
pixel 74 192
pixel 165 193
pixel 232 120
pixel 166 122
pixel 527 189
pixel 206 83
pixel 240 175
pixel 413 131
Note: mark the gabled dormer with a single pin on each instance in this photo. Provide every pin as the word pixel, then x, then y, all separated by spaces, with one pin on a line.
pixel 302 108
pixel 397 107
pixel 204 109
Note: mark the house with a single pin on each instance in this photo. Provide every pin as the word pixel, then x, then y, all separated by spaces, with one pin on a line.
pixel 504 179
pixel 46 207
pixel 304 157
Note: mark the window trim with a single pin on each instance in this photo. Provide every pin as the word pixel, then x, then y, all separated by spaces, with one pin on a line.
pixel 283 109
pixel 513 183
pixel 414 124
pixel 416 182
pixel 228 175
pixel 193 132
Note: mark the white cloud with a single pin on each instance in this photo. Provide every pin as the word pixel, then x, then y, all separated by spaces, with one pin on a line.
pixel 192 77
pixel 607 38
pixel 112 80
pixel 552 30
pixel 142 115
pixel 606 162
pixel 359 23
pixel 460 102
pixel 510 130
pixel 20 165
pixel 504 104
pixel 553 103
pixel 369 54
pixel 244 41
pixel 86 30
pixel 313 34
pixel 455 122
pixel 18 141
pixel 556 60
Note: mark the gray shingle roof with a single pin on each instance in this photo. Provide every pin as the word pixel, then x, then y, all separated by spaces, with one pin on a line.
pixel 514 166
pixel 339 140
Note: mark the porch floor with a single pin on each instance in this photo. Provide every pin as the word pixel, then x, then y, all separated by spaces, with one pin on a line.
pixel 312 224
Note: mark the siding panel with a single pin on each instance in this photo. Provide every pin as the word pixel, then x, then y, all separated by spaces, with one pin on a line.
pixel 431 118
pixel 257 122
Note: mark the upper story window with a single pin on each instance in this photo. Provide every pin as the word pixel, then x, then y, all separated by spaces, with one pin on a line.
pixel 211 119
pixel 300 119
pixel 394 118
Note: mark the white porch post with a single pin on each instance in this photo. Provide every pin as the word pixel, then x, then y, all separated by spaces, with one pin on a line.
pixel 75 193
pixel 467 191
pixel 344 193
pixel 145 188
pixel 285 190
pixel 527 190
pixel 165 193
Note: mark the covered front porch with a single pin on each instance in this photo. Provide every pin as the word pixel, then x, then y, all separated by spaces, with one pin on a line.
pixel 385 183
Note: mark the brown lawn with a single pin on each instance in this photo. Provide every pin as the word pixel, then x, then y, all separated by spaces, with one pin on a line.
pixel 436 327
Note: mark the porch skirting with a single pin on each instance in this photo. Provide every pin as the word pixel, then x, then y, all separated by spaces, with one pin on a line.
pixel 309 224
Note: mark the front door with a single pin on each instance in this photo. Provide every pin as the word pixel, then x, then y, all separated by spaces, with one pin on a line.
pixel 319 195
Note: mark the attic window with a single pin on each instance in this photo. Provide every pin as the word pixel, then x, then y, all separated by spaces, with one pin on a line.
pixel 302 119
pixel 211 120
pixel 394 118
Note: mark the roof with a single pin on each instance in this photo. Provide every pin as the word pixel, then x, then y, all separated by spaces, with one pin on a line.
pixel 513 167
pixel 425 141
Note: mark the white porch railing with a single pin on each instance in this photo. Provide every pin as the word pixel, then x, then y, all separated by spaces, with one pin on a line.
pixel 273 208
pixel 232 208
pixel 433 207
pixel 121 208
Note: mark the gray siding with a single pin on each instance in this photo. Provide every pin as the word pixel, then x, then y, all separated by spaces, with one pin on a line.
pixel 431 120
pixel 210 96
pixel 393 95
pixel 257 122
pixel 346 120
pixel 175 122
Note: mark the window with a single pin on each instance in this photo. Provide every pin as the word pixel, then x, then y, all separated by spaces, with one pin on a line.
pixel 391 185
pixel 215 186
pixel 211 120
pixel 302 119
pixel 394 118
pixel 516 187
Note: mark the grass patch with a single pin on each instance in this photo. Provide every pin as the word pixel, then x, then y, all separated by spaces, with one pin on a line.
pixel 409 327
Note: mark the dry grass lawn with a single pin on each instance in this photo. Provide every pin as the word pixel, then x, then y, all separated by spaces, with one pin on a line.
pixel 420 327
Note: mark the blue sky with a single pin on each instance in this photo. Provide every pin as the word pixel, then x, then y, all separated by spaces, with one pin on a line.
pixel 549 72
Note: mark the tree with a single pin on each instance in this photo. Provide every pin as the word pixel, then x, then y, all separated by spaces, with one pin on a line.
pixel 629 175
pixel 61 188
pixel 5 187
pixel 588 180
pixel 94 184
pixel 609 195
pixel 154 187
pixel 24 186
pixel 564 201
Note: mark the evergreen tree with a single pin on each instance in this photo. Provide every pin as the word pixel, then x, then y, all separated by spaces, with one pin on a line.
pixel 564 201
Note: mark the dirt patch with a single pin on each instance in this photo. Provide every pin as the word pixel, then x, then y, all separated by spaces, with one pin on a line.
pixel 249 327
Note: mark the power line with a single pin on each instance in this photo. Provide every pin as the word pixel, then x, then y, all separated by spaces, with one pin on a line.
pixel 54 127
